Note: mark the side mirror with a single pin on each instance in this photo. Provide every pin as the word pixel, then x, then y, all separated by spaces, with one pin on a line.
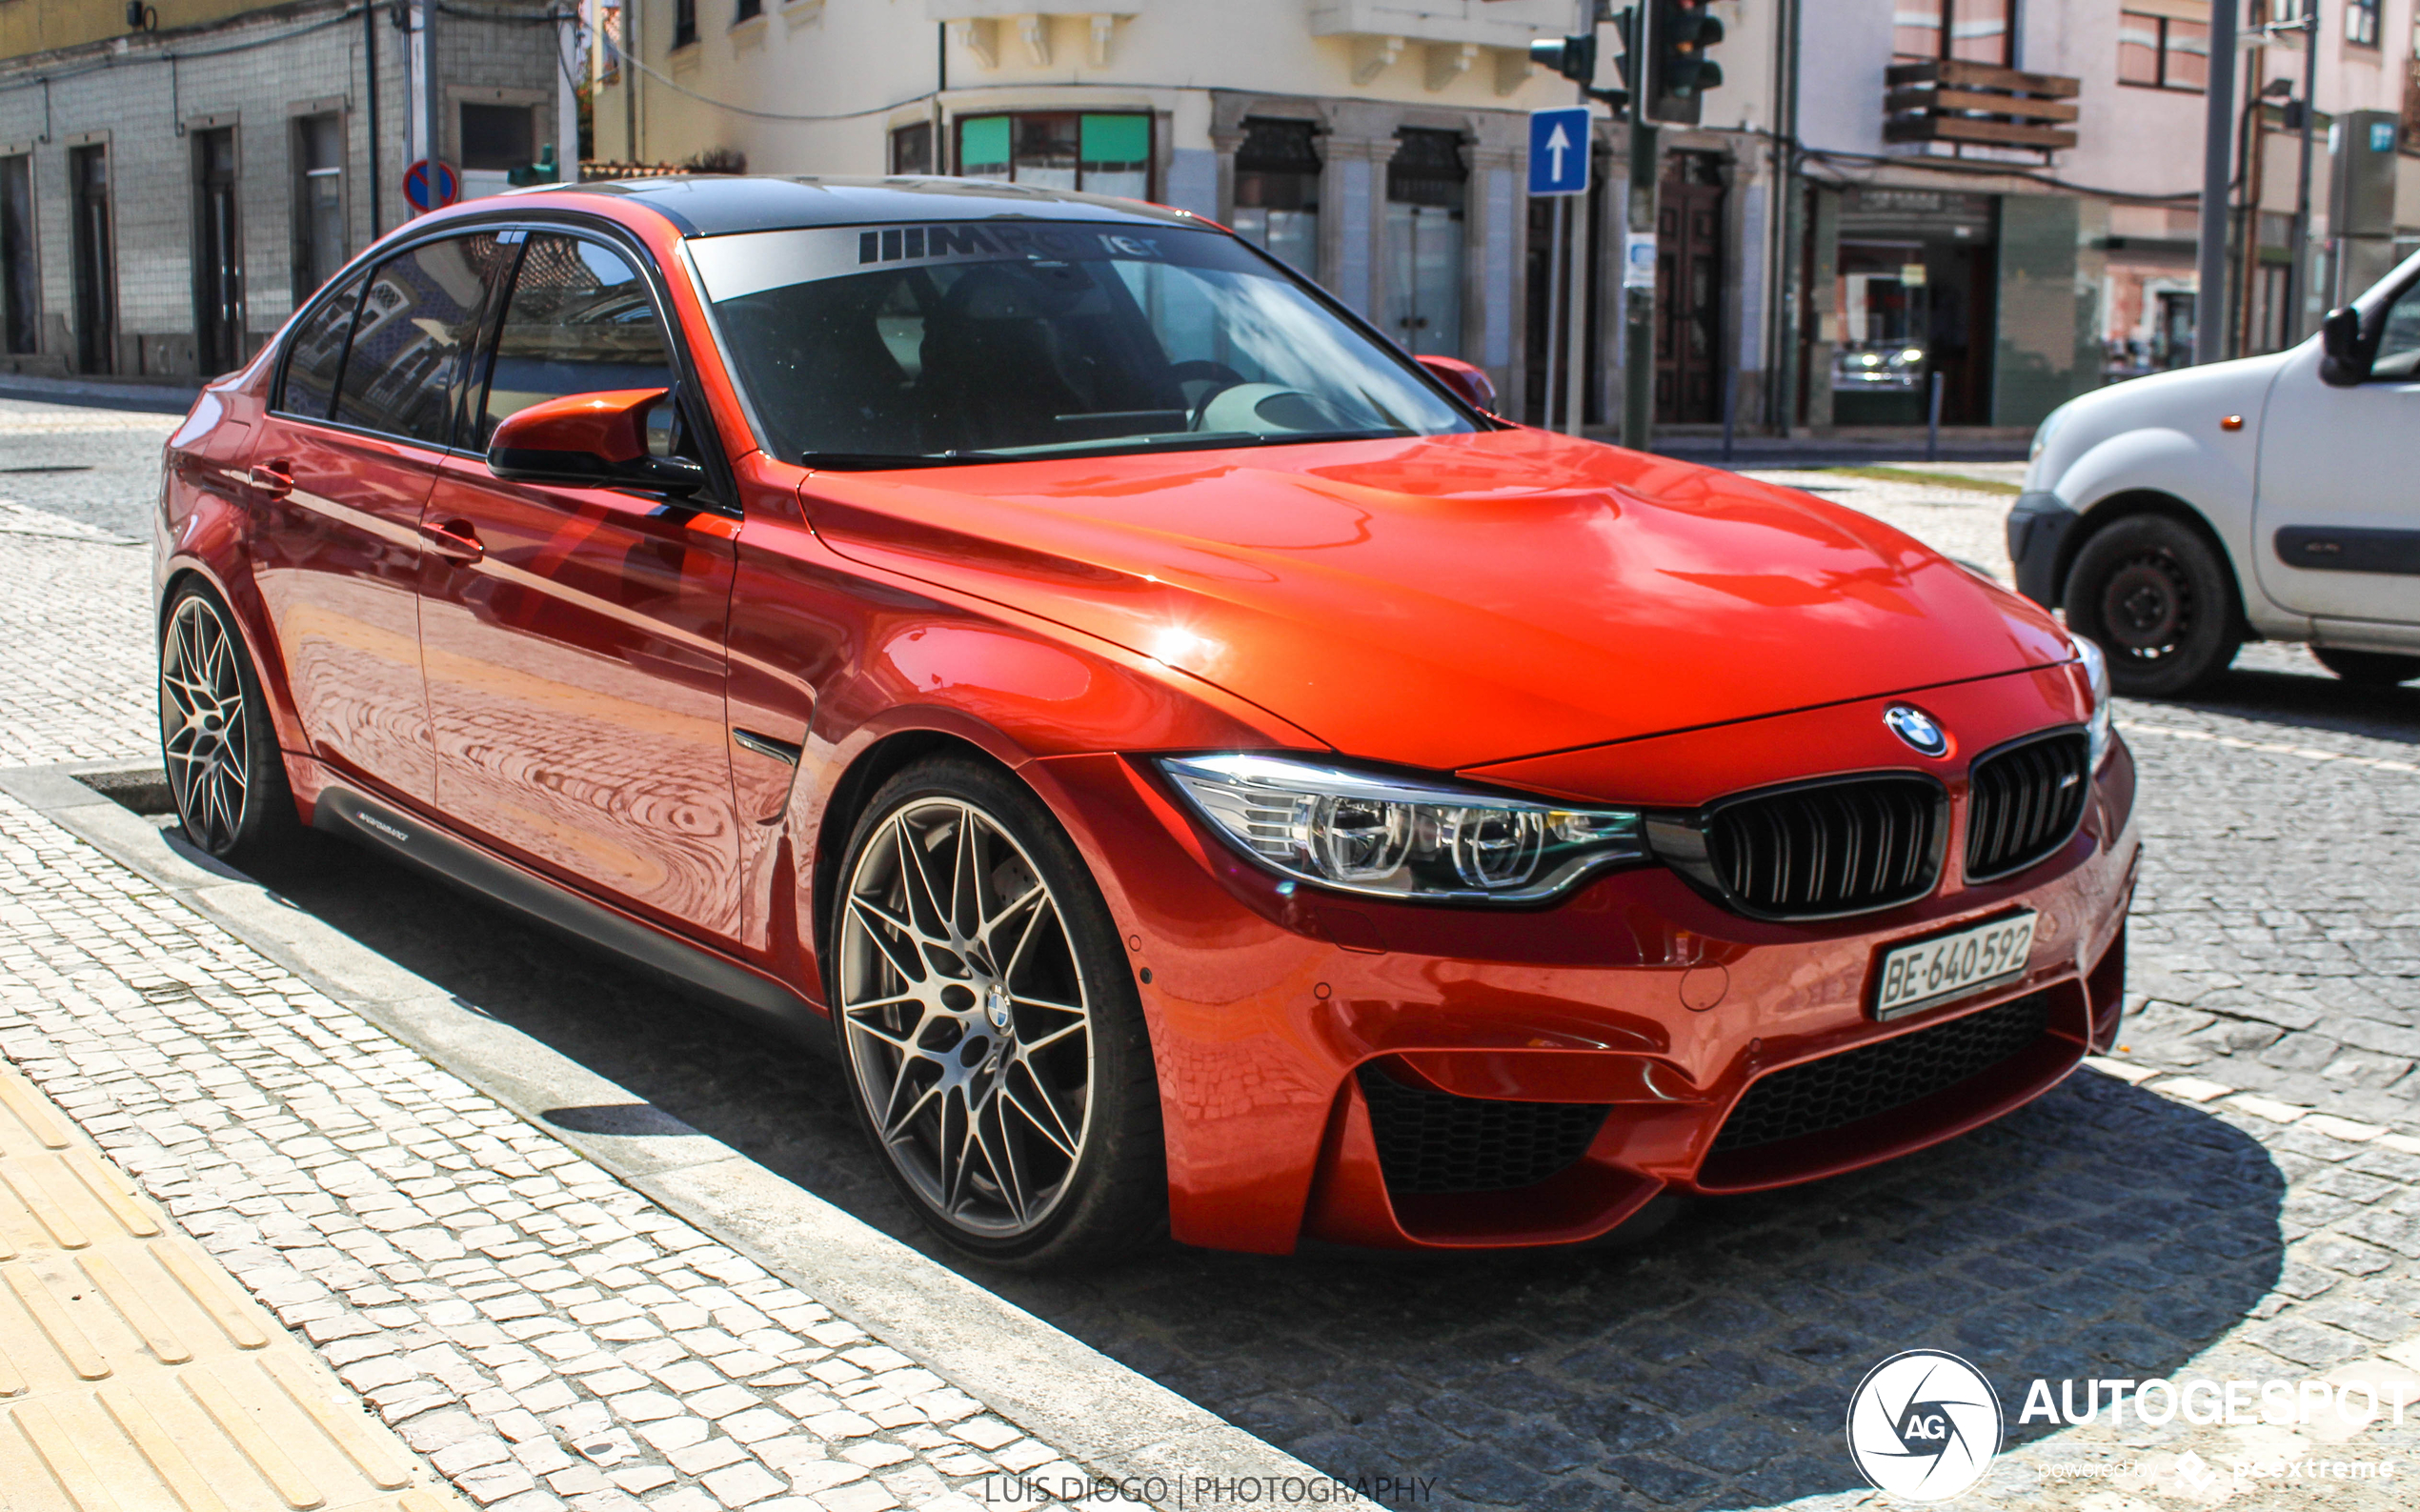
pixel 595 440
pixel 1474 386
pixel 2345 357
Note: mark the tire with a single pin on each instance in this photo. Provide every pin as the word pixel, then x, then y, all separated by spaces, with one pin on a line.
pixel 2368 669
pixel 2152 593
pixel 217 744
pixel 1028 1058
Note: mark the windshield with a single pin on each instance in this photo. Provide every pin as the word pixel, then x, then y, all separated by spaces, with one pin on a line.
pixel 990 341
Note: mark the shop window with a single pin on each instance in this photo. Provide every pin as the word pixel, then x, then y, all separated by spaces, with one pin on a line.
pixel 2361 23
pixel 1426 186
pixel 1276 192
pixel 684 23
pixel 746 10
pixel 496 137
pixel 1098 154
pixel 911 149
pixel 2163 52
pixel 1967 30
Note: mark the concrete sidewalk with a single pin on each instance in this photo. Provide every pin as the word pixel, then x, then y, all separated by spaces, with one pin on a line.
pixel 167 398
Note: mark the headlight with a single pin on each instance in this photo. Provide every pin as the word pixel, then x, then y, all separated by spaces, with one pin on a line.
pixel 1389 838
pixel 2096 670
pixel 2043 433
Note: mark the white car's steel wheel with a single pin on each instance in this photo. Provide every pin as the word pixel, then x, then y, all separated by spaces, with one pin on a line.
pixel 221 757
pixel 993 1058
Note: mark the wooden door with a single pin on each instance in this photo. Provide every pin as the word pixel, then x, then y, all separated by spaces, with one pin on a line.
pixel 1688 291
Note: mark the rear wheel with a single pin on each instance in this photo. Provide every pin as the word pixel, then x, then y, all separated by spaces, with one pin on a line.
pixel 216 741
pixel 2151 592
pixel 2368 669
pixel 989 1024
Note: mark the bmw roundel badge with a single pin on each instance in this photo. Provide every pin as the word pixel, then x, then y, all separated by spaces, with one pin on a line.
pixel 1916 728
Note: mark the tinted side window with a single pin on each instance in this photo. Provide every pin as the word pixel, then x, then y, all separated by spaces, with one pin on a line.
pixel 420 311
pixel 317 353
pixel 579 322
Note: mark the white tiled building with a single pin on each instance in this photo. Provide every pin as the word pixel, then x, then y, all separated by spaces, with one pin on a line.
pixel 165 196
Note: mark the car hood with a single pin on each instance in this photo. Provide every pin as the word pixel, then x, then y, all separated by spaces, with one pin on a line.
pixel 1447 601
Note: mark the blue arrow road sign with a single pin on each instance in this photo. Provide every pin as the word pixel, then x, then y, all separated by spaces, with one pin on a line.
pixel 1559 150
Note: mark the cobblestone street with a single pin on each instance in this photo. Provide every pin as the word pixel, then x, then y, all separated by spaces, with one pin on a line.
pixel 2237 1193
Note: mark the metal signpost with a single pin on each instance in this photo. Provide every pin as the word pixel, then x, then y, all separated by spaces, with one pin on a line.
pixel 1559 169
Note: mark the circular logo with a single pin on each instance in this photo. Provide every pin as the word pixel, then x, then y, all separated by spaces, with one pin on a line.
pixel 1923 1426
pixel 1916 728
pixel 997 1004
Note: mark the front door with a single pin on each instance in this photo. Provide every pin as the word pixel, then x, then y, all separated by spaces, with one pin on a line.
pixel 218 256
pixel 576 656
pixel 1688 293
pixel 96 253
pixel 343 464
pixel 2336 530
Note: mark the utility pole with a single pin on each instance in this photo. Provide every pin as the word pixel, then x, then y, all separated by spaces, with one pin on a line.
pixel 433 84
pixel 2218 151
pixel 626 54
pixel 1637 341
pixel 1575 395
pixel 2307 23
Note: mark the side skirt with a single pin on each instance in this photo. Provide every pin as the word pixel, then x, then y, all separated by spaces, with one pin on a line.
pixel 723 982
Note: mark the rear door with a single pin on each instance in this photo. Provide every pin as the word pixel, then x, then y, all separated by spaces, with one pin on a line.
pixel 345 460
pixel 575 649
pixel 2336 529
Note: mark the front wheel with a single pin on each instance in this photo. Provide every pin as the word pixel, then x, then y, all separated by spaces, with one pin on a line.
pixel 989 1025
pixel 2368 669
pixel 2152 593
pixel 216 741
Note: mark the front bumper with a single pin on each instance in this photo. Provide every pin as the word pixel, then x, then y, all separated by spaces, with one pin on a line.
pixel 2039 525
pixel 1273 1007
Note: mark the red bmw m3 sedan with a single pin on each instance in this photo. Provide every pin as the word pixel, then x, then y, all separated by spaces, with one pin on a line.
pixel 1198 769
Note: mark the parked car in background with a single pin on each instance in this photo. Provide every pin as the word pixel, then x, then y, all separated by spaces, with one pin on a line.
pixel 2274 497
pixel 1196 768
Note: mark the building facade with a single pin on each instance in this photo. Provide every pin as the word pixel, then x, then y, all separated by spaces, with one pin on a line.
pixel 2006 194
pixel 169 190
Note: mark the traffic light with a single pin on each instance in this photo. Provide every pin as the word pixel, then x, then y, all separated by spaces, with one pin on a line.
pixel 545 170
pixel 1575 58
pixel 1681 34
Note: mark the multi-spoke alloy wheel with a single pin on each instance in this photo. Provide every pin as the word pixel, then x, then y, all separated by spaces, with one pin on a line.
pixel 977 1026
pixel 222 762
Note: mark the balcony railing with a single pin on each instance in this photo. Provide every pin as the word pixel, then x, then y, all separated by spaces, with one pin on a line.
pixel 1944 100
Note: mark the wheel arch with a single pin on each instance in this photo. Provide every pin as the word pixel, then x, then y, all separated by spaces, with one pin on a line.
pixel 852 791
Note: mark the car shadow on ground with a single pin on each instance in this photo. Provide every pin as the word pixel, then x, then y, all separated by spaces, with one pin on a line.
pixel 2102 1232
pixel 2283 687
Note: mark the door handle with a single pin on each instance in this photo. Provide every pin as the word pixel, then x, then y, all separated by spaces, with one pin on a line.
pixel 274 479
pixel 455 540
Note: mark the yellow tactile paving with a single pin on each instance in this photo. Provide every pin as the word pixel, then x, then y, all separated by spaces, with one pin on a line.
pixel 137 1376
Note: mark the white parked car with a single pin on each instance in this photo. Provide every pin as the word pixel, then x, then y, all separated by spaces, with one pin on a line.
pixel 2274 497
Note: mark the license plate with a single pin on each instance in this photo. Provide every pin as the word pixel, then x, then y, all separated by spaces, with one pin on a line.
pixel 1950 966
